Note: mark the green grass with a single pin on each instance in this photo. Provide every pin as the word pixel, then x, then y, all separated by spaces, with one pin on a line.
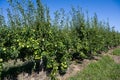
pixel 116 52
pixel 104 69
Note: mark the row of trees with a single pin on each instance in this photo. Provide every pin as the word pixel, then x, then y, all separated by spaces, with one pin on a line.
pixel 30 34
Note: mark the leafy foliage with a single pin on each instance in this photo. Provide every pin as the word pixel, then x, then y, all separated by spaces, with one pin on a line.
pixel 31 35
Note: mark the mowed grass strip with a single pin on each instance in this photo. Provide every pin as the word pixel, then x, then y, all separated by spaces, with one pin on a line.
pixel 104 69
pixel 116 52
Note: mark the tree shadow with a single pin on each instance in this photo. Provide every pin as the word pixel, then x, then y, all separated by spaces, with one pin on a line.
pixel 13 72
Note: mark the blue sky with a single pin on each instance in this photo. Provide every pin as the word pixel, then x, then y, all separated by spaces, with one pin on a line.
pixel 104 8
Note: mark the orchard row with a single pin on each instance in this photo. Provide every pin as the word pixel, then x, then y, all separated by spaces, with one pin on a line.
pixel 32 35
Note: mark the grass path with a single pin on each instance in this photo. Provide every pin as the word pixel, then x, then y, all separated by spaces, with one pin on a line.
pixel 106 68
